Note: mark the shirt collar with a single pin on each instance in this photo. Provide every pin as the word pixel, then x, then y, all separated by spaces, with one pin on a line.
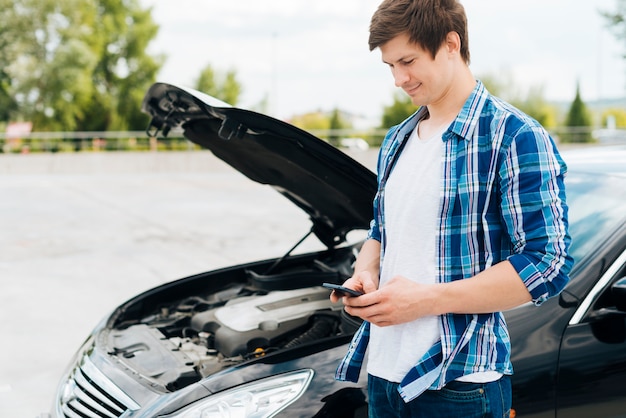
pixel 466 122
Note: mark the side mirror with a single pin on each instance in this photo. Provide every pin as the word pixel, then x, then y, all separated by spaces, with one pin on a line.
pixel 618 291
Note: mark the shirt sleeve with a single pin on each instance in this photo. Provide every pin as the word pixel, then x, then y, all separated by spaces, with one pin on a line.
pixel 535 211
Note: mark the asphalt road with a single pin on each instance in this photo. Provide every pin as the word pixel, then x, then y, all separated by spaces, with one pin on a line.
pixel 82 233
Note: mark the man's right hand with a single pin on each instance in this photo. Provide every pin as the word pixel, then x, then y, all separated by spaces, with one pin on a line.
pixel 362 282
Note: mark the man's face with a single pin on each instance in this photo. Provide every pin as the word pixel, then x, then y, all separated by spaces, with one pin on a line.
pixel 424 79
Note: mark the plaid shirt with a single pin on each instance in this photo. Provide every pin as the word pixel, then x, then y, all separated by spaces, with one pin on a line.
pixel 502 198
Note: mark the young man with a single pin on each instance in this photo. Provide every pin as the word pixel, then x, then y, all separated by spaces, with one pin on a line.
pixel 470 219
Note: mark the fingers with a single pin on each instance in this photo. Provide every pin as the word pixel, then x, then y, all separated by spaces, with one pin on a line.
pixel 397 302
pixel 371 314
pixel 361 281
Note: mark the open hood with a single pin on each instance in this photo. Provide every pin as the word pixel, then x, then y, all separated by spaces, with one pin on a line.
pixel 332 188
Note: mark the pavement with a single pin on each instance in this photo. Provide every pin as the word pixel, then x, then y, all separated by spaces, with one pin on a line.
pixel 83 232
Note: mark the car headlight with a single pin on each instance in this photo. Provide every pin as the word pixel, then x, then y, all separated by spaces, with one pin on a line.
pixel 261 399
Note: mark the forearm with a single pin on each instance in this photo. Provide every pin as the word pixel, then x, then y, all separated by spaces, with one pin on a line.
pixel 369 259
pixel 497 288
pixel 366 270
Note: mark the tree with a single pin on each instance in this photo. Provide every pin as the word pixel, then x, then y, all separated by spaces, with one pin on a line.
pixel 335 123
pixel 221 86
pixel 616 20
pixel 401 108
pixel 77 64
pixel 501 85
pixel 11 30
pixel 532 102
pixel 616 115
pixel 312 121
pixel 578 120
pixel 326 123
pixel 535 106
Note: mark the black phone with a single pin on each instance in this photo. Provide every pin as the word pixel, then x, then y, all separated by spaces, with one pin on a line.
pixel 341 289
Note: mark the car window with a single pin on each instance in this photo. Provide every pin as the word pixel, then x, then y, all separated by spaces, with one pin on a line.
pixel 597 206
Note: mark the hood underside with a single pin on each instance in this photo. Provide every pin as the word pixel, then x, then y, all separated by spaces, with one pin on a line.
pixel 332 188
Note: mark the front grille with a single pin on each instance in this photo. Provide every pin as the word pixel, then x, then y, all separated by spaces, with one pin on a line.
pixel 87 393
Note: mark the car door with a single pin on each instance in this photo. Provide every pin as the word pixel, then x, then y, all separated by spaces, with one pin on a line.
pixel 591 378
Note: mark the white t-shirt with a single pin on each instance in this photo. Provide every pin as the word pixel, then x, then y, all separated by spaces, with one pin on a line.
pixel 411 204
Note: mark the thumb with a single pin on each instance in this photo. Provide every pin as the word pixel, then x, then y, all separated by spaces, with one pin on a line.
pixel 368 282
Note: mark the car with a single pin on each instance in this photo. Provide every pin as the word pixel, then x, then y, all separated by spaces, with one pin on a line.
pixel 263 339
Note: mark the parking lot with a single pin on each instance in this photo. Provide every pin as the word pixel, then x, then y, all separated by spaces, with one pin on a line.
pixel 82 233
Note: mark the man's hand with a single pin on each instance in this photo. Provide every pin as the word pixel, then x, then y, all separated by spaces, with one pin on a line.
pixel 400 300
pixel 361 282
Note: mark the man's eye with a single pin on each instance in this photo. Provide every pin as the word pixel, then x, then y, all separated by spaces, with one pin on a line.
pixel 409 62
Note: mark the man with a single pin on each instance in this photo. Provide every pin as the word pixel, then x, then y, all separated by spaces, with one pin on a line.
pixel 470 219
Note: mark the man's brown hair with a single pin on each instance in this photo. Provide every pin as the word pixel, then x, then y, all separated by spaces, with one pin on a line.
pixel 427 22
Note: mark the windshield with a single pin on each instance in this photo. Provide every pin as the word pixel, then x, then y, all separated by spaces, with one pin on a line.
pixel 597 206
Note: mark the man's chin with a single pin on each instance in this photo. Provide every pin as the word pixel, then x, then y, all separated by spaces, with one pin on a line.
pixel 417 101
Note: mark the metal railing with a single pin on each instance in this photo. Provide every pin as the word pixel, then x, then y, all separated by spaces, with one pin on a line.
pixel 93 141
pixel 175 141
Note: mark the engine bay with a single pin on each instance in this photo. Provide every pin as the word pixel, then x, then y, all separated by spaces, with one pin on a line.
pixel 194 337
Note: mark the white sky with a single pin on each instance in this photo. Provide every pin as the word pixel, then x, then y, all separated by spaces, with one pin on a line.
pixel 305 55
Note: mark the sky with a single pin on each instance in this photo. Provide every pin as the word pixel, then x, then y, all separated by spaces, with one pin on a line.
pixel 306 55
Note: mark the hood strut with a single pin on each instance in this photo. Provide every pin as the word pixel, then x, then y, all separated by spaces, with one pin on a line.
pixel 288 253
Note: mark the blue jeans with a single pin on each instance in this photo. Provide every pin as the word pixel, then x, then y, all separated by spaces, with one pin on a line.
pixel 456 399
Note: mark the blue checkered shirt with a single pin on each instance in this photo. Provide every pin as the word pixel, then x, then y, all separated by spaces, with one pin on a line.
pixel 502 198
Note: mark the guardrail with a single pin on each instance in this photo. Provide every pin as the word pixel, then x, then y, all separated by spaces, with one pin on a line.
pixel 92 141
pixel 175 141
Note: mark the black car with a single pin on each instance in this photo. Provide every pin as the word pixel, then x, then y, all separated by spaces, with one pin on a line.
pixel 263 339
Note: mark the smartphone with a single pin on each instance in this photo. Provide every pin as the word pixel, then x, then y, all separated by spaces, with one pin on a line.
pixel 344 291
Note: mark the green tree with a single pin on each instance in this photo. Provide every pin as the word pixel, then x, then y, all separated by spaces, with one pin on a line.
pixel 78 64
pixel 617 115
pixel 578 121
pixel 336 123
pixel 501 85
pixel 221 86
pixel 399 110
pixel 616 19
pixel 313 121
pixel 12 28
pixel 538 108
pixel 533 102
pixel 323 124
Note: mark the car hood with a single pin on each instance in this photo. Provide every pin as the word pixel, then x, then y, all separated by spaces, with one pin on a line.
pixel 332 188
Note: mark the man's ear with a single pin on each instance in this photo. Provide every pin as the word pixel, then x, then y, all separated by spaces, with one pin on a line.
pixel 453 42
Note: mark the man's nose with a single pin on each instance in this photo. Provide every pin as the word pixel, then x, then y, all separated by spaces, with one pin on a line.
pixel 400 76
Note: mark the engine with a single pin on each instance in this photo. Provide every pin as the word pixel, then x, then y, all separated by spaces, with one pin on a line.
pixel 198 337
